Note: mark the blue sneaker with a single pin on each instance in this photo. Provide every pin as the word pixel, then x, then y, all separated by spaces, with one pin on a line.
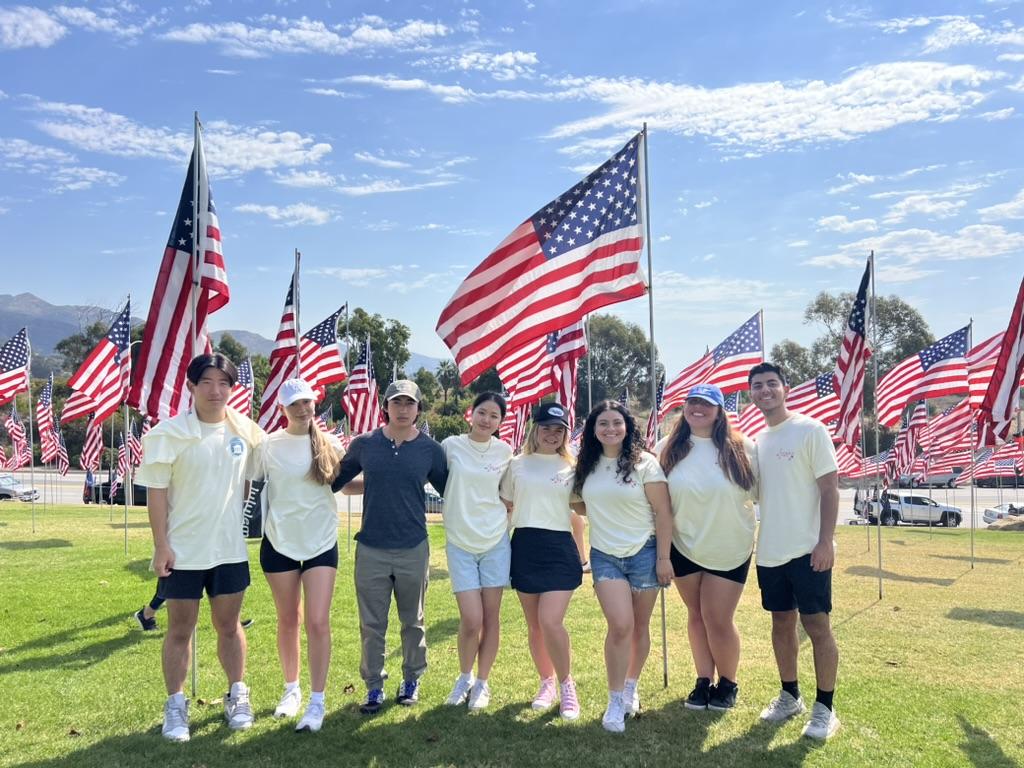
pixel 408 692
pixel 374 701
pixel 146 625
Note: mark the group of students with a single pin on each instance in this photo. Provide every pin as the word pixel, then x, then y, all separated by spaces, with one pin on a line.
pixel 684 514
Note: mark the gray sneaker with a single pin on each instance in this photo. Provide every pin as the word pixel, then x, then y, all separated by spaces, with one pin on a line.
pixel 175 719
pixel 783 707
pixel 237 710
pixel 823 722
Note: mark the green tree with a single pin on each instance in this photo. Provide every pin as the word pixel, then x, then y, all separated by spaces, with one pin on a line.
pixel 75 348
pixel 427 383
pixel 796 360
pixel 260 374
pixel 619 356
pixel 231 348
pixel 488 381
pixel 389 341
pixel 448 378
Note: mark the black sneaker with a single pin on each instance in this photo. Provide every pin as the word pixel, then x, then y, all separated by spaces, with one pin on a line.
pixel 246 623
pixel 698 698
pixel 146 625
pixel 723 697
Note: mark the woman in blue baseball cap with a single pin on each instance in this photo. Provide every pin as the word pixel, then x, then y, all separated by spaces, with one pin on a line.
pixel 712 479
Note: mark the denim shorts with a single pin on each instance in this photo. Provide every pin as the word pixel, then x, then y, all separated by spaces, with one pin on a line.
pixel 640 570
pixel 469 571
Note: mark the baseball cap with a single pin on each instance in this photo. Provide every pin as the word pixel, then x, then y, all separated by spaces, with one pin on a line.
pixel 403 388
pixel 295 389
pixel 551 413
pixel 709 393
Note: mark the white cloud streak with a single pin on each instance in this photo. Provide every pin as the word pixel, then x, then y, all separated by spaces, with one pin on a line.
pixel 24 27
pixel 1013 209
pixel 290 215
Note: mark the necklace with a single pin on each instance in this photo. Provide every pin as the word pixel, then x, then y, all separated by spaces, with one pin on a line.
pixel 472 444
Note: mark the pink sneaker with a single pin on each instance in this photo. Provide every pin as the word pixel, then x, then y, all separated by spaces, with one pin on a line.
pixel 569 708
pixel 545 697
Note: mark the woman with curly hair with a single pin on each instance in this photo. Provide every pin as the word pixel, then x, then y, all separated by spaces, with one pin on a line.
pixel 625 496
pixel 711 474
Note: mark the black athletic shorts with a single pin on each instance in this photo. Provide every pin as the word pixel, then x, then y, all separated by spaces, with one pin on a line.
pixel 684 566
pixel 224 579
pixel 795 586
pixel 272 561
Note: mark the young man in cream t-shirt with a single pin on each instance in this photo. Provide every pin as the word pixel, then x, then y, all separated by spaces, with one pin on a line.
pixel 195 465
pixel 799 501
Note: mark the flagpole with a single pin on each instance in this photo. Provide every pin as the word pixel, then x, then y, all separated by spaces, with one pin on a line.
pixel 974 449
pixel 863 445
pixel 874 365
pixel 194 297
pixel 31 440
pixel 127 473
pixel 590 393
pixel 348 426
pixel 295 303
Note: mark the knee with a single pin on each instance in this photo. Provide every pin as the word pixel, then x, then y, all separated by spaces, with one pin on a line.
pixel 550 625
pixel 817 628
pixel 470 626
pixel 717 624
pixel 620 631
pixel 784 624
pixel 318 627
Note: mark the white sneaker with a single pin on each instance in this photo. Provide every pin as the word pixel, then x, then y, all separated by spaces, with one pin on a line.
pixel 460 692
pixel 631 699
pixel 237 710
pixel 176 718
pixel 614 719
pixel 313 718
pixel 479 696
pixel 290 703
pixel 783 707
pixel 823 722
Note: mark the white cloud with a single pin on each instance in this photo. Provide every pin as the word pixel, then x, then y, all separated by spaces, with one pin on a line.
pixel 385 186
pixel 962 31
pixel 226 72
pixel 1014 209
pixel 72 179
pixel 842 224
pixel 679 293
pixel 290 215
pixel 356 276
pixel 854 180
pixel 664 238
pixel 1013 57
pixel 706 203
pixel 18 153
pixel 999 114
pixel 900 26
pixel 434 227
pixel 799 244
pixel 110 22
pixel 457 94
pixel 334 92
pixel 510 65
pixel 305 179
pixel 936 204
pixel 304 35
pixel 380 162
pixel 24 27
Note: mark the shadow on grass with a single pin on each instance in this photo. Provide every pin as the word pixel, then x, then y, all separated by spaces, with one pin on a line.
pixel 1007 619
pixel 967 559
pixel 120 526
pixel 140 568
pixel 437 573
pixel 872 573
pixel 981 749
pixel 74 654
pixel 40 544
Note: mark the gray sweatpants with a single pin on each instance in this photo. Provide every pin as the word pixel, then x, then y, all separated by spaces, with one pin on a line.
pixel 379 572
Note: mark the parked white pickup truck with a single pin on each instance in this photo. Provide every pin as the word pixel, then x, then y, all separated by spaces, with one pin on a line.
pixel 910 509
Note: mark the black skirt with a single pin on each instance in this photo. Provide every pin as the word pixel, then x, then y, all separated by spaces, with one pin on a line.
pixel 544 561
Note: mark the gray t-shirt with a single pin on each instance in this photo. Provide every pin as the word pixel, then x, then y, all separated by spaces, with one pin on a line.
pixel 394 504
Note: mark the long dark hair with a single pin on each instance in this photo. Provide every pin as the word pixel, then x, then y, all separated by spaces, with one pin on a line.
pixel 732 458
pixel 591 449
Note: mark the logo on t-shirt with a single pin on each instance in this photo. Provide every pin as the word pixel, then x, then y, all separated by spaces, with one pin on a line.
pixel 236 447
pixel 784 455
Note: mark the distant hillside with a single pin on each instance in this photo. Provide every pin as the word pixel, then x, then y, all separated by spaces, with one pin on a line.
pixel 256 344
pixel 47 323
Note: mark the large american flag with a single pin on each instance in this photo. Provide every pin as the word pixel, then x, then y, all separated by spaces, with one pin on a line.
pixel 872 466
pixel 1002 397
pixel 848 459
pixel 14 357
pixel 101 381
pixel 575 255
pixel 44 423
pixel 816 398
pixel 321 359
pixel 158 387
pixel 93 446
pixel 532 371
pixel 947 462
pixel 936 371
pixel 241 394
pixel 848 379
pixel 726 366
pixel 283 363
pixel 751 421
pixel 950 430
pixel 513 427
pixel 21 455
pixel 652 420
pixel 571 345
pixel 361 399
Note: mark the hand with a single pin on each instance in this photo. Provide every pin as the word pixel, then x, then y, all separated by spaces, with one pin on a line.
pixel 163 561
pixel 665 572
pixel 823 556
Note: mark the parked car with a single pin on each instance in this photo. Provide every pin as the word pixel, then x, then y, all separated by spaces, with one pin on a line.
pixel 1002 511
pixel 12 489
pixel 912 510
pixel 1001 481
pixel 99 493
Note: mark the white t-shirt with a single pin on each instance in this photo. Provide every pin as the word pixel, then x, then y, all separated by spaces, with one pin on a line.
pixel 539 487
pixel 713 518
pixel 475 519
pixel 204 468
pixel 303 518
pixel 621 517
pixel 792 456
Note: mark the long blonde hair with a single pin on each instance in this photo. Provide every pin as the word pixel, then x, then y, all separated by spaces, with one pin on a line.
pixel 326 462
pixel 530 445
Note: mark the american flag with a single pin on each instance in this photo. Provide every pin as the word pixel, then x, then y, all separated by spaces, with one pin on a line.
pixel 241 394
pixel 44 423
pixel 425 428
pixel 361 399
pixel 21 455
pixel 950 430
pixel 872 466
pixel 937 370
pixel 283 363
pixel 849 460
pixel 624 397
pixel 93 446
pixel 732 409
pixel 848 378
pixel 1002 396
pixel 4 461
pixel 325 417
pixel 134 446
pixel 726 366
pixel 14 358
pixel 575 255
pixel 527 373
pixel 321 359
pixel 513 427
pixel 905 448
pixel 101 381
pixel 121 476
pixel 981 363
pixel 576 437
pixel 63 462
pixel 1002 463
pixel 751 421
pixel 570 347
pixel 158 387
pixel 816 398
pixel 967 476
pixel 939 465
pixel 652 420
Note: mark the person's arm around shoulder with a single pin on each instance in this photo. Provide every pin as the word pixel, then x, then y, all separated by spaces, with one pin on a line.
pixel 438 475
pixel 351 465
pixel 656 491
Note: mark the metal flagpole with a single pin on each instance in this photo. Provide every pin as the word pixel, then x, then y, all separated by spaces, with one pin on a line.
pixel 863 442
pixel 110 475
pixel 974 450
pixel 295 303
pixel 348 423
pixel 653 376
pixel 194 297
pixel 874 359
pixel 31 440
pixel 127 473
pixel 590 391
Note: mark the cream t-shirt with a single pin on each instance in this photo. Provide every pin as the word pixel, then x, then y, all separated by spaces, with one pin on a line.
pixel 204 468
pixel 621 518
pixel 539 487
pixel 303 518
pixel 713 518
pixel 475 519
pixel 792 456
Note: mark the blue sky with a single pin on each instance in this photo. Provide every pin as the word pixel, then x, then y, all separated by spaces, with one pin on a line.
pixel 395 144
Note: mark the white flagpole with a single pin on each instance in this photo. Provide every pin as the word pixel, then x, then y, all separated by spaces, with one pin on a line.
pixel 196 229
pixel 874 359
pixel 295 303
pixel 974 451
pixel 31 441
pixel 590 392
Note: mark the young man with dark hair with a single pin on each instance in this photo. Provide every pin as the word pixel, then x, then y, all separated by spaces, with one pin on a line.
pixel 392 552
pixel 799 502
pixel 195 466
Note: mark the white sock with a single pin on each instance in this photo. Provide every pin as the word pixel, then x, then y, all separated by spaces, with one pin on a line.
pixel 289 687
pixel 466 677
pixel 630 683
pixel 316 697
pixel 612 695
pixel 178 698
pixel 237 688
pixel 481 681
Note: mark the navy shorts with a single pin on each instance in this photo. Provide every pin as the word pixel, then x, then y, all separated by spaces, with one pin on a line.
pixel 544 561
pixel 224 579
pixel 684 566
pixel 272 561
pixel 795 586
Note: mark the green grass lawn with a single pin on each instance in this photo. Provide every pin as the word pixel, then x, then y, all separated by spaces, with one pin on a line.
pixel 931 675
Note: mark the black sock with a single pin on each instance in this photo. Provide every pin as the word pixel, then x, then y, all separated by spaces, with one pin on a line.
pixel 725 684
pixel 792 688
pixel 825 697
